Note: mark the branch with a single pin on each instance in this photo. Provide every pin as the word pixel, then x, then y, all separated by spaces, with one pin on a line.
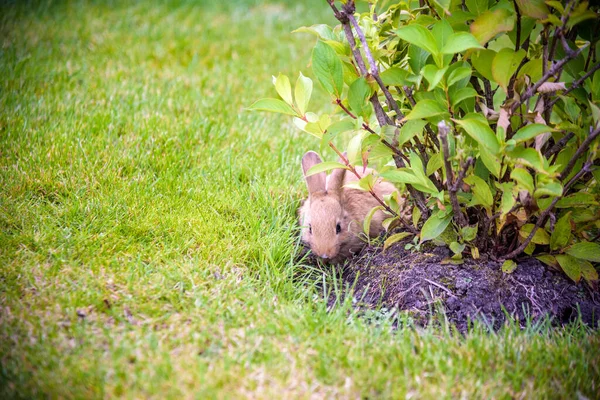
pixel 443 130
pixel 542 218
pixel 574 85
pixel 382 117
pixel 558 146
pixel 550 73
pixel 582 149
pixel 374 69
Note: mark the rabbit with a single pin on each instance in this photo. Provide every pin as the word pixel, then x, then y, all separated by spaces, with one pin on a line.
pixel 332 216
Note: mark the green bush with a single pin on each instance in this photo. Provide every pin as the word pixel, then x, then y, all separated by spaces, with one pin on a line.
pixel 486 112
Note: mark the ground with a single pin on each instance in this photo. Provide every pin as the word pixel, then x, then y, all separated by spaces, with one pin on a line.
pixel 420 285
pixel 147 229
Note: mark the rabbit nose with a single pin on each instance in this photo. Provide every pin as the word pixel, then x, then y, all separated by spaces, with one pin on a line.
pixel 325 256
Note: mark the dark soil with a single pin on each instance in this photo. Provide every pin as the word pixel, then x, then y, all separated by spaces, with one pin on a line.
pixel 418 283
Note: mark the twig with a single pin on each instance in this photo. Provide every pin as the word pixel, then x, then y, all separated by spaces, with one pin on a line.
pixel 443 130
pixel 573 86
pixel 558 146
pixel 461 175
pixel 440 286
pixel 582 148
pixel 542 218
pixel 551 72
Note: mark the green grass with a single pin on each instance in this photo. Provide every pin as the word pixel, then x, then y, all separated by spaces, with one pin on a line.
pixel 147 225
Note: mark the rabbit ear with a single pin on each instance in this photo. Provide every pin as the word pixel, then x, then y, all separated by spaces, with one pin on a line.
pixel 314 183
pixel 336 179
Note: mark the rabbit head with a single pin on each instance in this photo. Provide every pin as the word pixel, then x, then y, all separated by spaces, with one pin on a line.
pixel 332 216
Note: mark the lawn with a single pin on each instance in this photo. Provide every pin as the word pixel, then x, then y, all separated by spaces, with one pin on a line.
pixel 148 235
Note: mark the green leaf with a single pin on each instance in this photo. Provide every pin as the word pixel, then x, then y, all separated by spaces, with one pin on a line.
pixel 477 7
pixel 435 162
pixel 508 198
pixel 586 251
pixel 469 232
pixel 321 31
pixel 552 189
pixel 328 68
pixel 536 9
pixel 462 94
pixel 302 92
pixel 340 126
pixel 284 88
pixel 426 109
pixel 482 62
pixel 459 42
pixel 410 129
pixel 505 64
pixel 433 75
pixel 395 238
pixel 523 179
pixel 457 248
pixel 396 77
pixel 487 25
pixel 324 166
pixel 273 105
pixel 539 237
pixel 369 218
pixel 434 226
pixel 530 131
pixel 355 146
pixel 588 271
pixel 509 266
pixel 491 162
pixel 481 191
pixel 419 36
pixel 570 265
pixel 457 75
pixel 562 232
pixel 549 260
pixel 481 132
pixel 358 95
pixel 578 199
pixel 527 156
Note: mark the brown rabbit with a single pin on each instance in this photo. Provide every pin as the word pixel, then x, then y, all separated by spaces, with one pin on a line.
pixel 332 216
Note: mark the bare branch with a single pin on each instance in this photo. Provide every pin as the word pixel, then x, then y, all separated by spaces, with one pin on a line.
pixel 558 146
pixel 443 130
pixel 374 69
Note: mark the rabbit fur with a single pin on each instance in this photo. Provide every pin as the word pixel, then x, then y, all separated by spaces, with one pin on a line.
pixel 332 216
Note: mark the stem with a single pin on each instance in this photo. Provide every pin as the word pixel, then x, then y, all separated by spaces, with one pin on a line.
pixel 518 39
pixel 443 130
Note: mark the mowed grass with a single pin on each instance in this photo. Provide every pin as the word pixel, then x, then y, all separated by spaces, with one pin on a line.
pixel 147 225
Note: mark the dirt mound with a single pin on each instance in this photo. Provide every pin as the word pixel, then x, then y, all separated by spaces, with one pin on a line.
pixel 418 283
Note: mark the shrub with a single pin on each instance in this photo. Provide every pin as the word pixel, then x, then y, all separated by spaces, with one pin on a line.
pixel 486 112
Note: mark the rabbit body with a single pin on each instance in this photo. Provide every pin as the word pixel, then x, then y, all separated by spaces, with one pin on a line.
pixel 332 217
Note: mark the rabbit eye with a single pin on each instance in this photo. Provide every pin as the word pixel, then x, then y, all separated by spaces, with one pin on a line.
pixel 338 229
pixel 310 229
